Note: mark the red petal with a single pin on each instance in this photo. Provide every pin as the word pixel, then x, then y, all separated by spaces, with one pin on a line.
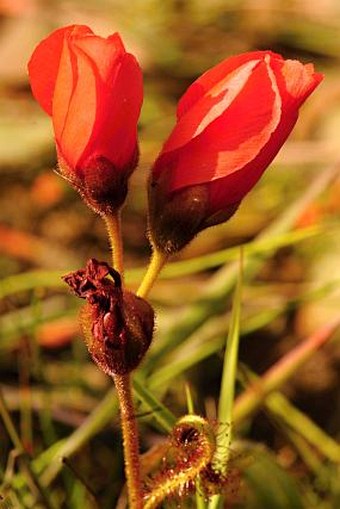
pixel 232 188
pixel 299 80
pixel 213 76
pixel 104 53
pixel 235 138
pixel 74 103
pixel 65 83
pixel 120 99
pixel 209 107
pixel 44 64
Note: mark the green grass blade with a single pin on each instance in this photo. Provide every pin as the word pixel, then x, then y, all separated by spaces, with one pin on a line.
pixel 258 247
pixel 252 398
pixel 226 399
pixel 31 280
pixel 49 463
pixel 293 418
pixel 169 371
pixel 190 402
pixel 227 392
pixel 211 336
pixel 53 279
pixel 96 421
pixel 160 413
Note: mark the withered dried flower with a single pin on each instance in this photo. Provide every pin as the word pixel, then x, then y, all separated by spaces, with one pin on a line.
pixel 117 325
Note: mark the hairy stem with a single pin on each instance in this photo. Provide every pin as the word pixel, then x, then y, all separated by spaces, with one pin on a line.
pixel 130 440
pixel 123 386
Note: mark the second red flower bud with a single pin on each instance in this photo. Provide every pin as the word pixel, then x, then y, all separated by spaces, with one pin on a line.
pixel 231 123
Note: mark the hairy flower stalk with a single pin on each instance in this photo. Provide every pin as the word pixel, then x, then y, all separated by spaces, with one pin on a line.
pixel 130 440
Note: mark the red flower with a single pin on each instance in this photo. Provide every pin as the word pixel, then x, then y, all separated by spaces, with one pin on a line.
pixel 231 123
pixel 92 88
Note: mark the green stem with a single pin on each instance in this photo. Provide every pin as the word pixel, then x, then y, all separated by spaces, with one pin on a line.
pixel 156 264
pixel 130 440
pixel 113 227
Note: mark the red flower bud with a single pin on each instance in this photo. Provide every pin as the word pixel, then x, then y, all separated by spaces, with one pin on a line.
pixel 92 88
pixel 117 325
pixel 231 123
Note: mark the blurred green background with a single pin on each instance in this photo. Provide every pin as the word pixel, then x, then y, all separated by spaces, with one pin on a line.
pixel 49 384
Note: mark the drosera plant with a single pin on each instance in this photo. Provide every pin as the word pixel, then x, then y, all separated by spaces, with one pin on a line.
pixel 209 338
pixel 231 123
